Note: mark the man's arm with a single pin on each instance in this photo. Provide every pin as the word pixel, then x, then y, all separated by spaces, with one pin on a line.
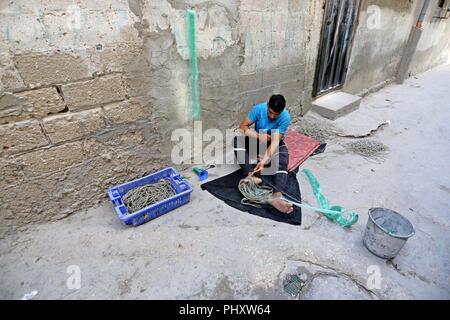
pixel 245 128
pixel 277 135
pixel 276 138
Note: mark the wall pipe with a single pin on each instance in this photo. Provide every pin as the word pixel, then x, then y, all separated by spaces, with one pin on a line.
pixel 422 14
pixel 411 45
pixel 195 98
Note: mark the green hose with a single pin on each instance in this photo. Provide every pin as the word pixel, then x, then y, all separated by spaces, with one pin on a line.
pixel 195 97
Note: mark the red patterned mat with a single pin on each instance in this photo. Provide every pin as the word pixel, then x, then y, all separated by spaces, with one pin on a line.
pixel 300 148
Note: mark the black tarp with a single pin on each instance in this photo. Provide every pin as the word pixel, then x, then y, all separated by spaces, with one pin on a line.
pixel 225 188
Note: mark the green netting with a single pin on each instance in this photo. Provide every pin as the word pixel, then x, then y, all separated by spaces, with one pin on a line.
pixel 195 100
pixel 331 212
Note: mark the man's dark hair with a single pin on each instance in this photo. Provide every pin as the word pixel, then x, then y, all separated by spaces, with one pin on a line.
pixel 277 103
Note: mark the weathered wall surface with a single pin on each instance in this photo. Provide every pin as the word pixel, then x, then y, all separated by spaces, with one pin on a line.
pixel 72 123
pixel 434 45
pixel 281 44
pixel 381 36
pixel 383 31
pixel 91 90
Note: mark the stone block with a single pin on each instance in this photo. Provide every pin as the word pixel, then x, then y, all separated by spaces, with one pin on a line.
pixel 99 91
pixel 110 144
pixel 12 172
pixel 123 112
pixel 21 136
pixel 45 101
pixel 22 204
pixel 113 58
pixel 13 108
pixel 55 68
pixel 10 81
pixel 30 104
pixel 57 158
pixel 70 126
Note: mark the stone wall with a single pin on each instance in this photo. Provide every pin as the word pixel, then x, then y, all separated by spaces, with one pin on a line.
pixel 70 123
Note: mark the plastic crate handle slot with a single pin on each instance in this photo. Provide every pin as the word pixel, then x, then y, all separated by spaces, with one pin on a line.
pixel 121 210
pixel 181 183
pixel 115 197
pixel 178 179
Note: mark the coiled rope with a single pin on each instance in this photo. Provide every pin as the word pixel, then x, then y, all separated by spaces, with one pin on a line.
pixel 254 195
pixel 146 195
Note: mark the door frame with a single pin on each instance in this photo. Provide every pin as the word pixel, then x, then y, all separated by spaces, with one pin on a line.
pixel 361 4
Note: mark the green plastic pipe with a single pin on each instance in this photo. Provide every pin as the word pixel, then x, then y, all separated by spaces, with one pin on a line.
pixel 191 39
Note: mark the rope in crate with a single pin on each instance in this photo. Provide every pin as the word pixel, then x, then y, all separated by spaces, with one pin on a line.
pixel 148 194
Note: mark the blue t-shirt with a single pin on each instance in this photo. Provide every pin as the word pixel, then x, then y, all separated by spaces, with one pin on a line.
pixel 260 116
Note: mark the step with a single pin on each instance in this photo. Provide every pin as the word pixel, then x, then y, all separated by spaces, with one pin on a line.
pixel 335 104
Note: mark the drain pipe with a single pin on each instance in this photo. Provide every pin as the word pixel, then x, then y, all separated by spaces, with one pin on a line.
pixel 411 45
pixel 192 45
pixel 422 14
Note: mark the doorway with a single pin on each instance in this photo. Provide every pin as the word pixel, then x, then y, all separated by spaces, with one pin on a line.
pixel 335 44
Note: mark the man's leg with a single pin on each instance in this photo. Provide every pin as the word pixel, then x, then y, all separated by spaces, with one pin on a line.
pixel 243 146
pixel 281 175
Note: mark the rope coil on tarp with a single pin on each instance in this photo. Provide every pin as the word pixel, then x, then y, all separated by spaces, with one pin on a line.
pixel 256 195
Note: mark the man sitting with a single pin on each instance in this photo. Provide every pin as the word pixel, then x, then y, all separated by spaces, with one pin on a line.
pixel 271 121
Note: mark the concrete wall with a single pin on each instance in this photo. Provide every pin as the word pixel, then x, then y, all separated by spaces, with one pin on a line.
pixel 281 44
pixel 378 49
pixel 91 90
pixel 434 45
pixel 381 36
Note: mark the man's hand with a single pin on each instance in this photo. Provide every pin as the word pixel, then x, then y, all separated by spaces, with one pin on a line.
pixel 245 128
pixel 264 137
pixel 260 166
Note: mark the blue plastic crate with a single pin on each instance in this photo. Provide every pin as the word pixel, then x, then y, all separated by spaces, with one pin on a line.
pixel 182 196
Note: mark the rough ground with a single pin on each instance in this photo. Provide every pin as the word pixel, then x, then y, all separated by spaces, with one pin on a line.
pixel 208 250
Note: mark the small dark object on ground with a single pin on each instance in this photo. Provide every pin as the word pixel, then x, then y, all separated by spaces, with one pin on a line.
pixel 292 285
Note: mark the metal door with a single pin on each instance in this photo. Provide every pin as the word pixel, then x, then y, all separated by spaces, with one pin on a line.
pixel 335 44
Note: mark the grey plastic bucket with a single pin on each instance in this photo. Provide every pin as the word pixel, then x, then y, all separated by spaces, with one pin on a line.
pixel 386 232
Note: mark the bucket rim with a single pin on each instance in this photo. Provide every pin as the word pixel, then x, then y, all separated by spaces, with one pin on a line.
pixel 413 232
